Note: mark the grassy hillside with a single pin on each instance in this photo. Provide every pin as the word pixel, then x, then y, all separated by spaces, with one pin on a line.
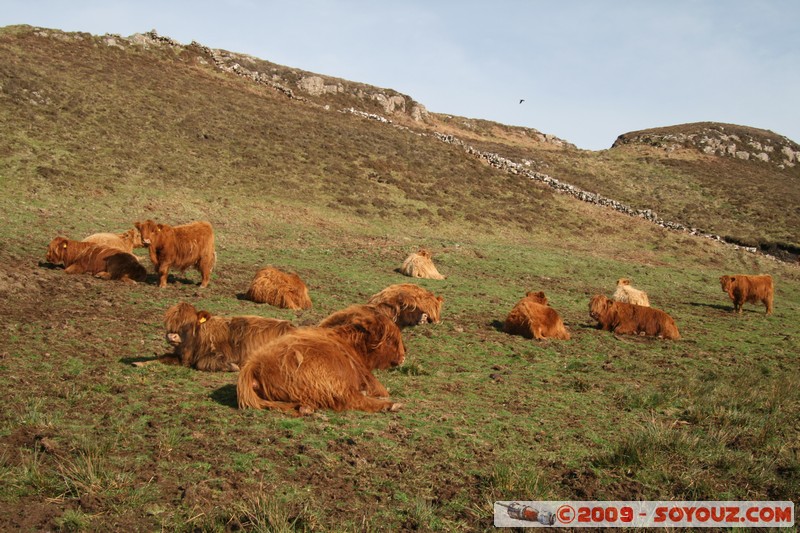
pixel 96 136
pixel 751 202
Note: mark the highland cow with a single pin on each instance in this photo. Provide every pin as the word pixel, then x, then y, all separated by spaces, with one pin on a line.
pixel 408 304
pixel 181 247
pixel 631 319
pixel 352 314
pixel 627 294
pixel 324 368
pixel 533 318
pixel 280 289
pixel 750 289
pixel 126 241
pixel 90 258
pixel 214 343
pixel 420 265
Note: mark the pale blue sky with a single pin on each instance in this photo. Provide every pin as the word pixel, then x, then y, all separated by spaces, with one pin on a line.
pixel 589 70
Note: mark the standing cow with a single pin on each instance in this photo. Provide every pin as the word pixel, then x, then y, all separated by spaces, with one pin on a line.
pixel 750 289
pixel 186 246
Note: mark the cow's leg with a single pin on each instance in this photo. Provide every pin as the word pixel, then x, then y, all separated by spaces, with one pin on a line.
pixel 373 387
pixel 626 329
pixel 205 266
pixel 163 272
pixel 74 268
pixel 372 405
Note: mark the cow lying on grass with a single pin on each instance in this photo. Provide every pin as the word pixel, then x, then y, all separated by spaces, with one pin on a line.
pixel 90 258
pixel 408 304
pixel 324 368
pixel 420 265
pixel 126 241
pixel 353 314
pixel 215 343
pixel 181 247
pixel 280 289
pixel 750 289
pixel 624 318
pixel 627 294
pixel 533 318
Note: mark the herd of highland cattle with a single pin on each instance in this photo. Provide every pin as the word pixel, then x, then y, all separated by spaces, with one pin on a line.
pixel 329 366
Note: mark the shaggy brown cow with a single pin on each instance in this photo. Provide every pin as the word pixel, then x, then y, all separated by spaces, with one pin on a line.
pixel 627 294
pixel 126 241
pixel 181 247
pixel 751 289
pixel 324 368
pixel 214 343
pixel 408 304
pixel 420 265
pixel 353 314
pixel 101 261
pixel 280 289
pixel 625 318
pixel 534 319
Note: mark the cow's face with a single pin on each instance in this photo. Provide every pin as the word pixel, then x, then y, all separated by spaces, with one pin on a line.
pixel 56 249
pixel 726 282
pixel 598 306
pixel 135 236
pixel 148 230
pixel 384 342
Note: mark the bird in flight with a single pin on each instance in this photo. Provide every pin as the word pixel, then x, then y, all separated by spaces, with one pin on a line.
pixel 521 100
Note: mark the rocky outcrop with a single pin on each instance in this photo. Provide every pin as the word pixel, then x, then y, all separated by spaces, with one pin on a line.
pixel 724 140
pixel 292 83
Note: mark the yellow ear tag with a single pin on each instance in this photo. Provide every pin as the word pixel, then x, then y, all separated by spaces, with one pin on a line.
pixel 64 245
pixel 202 319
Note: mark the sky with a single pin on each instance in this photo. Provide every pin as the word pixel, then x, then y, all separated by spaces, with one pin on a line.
pixel 588 70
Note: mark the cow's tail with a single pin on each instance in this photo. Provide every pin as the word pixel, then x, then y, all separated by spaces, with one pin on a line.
pixel 247 394
pixel 246 388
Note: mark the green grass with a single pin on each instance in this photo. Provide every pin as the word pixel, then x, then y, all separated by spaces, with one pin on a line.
pixel 88 442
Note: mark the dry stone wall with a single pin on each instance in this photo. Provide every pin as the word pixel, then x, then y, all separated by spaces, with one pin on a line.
pixel 520 169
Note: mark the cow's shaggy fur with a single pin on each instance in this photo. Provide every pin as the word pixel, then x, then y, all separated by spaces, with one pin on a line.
pixel 278 288
pixel 181 247
pixel 627 294
pixel 324 368
pixel 216 343
pixel 408 304
pixel 90 258
pixel 625 318
pixel 750 289
pixel 533 318
pixel 420 265
pixel 125 241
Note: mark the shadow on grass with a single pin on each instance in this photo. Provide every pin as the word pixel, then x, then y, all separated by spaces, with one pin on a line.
pixel 727 308
pixel 497 325
pixel 166 359
pixel 721 307
pixel 50 266
pixel 226 395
